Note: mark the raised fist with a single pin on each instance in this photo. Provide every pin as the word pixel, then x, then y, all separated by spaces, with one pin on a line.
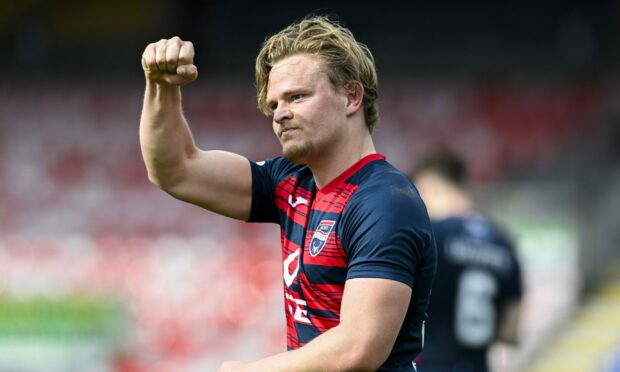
pixel 170 62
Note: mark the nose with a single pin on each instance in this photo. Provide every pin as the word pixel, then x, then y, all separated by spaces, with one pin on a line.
pixel 282 114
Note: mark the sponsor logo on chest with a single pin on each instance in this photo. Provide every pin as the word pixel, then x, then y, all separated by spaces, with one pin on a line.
pixel 320 236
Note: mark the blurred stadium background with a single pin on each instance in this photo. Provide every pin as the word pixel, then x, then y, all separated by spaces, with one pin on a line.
pixel 100 271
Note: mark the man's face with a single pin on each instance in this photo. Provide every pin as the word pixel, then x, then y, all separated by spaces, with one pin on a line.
pixel 308 113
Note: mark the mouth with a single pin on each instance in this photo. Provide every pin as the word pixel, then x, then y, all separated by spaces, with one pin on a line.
pixel 284 131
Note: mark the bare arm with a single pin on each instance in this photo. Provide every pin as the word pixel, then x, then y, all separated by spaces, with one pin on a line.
pixel 371 316
pixel 508 328
pixel 216 180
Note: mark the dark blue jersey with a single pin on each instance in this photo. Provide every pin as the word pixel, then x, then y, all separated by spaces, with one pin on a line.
pixel 477 274
pixel 369 222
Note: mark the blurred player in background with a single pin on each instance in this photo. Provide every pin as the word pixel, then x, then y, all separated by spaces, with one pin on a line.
pixel 357 245
pixel 477 291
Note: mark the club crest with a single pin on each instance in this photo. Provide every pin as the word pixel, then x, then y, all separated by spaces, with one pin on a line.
pixel 320 236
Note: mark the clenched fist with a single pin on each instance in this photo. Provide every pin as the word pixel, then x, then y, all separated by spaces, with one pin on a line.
pixel 170 62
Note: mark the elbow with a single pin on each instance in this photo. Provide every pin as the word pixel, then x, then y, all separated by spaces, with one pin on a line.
pixel 167 174
pixel 153 179
pixel 167 184
pixel 156 180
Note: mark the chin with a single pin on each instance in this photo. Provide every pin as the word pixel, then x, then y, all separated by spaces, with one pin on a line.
pixel 295 159
pixel 296 154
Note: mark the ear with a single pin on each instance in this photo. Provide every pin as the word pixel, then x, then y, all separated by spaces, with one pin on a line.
pixel 355 96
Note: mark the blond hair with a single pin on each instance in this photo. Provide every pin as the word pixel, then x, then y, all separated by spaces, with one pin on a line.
pixel 345 59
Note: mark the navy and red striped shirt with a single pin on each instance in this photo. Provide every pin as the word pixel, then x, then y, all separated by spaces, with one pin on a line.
pixel 369 222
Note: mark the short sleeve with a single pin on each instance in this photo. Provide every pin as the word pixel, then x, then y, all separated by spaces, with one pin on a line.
pixel 387 233
pixel 265 176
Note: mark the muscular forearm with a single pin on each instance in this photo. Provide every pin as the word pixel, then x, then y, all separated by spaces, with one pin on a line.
pixel 165 138
pixel 218 181
pixel 339 349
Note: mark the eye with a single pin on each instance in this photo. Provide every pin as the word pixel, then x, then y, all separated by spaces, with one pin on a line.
pixel 295 97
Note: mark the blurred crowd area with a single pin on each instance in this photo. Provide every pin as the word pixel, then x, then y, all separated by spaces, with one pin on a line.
pixel 71 160
pixel 101 271
pixel 157 303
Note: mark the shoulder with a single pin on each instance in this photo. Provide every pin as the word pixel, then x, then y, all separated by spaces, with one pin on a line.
pixel 383 188
pixel 483 227
pixel 386 223
pixel 449 226
pixel 388 200
pixel 277 168
pixel 474 226
pixel 475 239
pixel 277 163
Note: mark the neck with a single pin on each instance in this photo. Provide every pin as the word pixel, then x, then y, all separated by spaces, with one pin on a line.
pixel 331 165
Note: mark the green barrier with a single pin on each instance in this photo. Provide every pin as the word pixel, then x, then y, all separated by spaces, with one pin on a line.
pixel 60 319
